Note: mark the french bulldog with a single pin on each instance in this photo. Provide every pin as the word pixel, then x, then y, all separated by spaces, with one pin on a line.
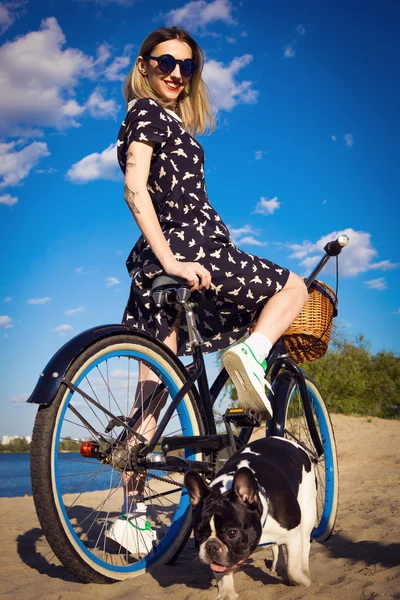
pixel 265 493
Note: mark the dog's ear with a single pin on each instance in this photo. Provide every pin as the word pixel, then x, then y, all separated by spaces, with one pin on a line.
pixel 245 486
pixel 196 487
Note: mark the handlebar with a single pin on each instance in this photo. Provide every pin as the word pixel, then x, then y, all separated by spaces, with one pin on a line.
pixel 335 247
pixel 332 248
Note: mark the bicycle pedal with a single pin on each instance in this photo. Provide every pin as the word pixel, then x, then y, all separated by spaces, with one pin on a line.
pixel 243 417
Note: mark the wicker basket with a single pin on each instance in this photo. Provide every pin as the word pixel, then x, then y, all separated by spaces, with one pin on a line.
pixel 308 337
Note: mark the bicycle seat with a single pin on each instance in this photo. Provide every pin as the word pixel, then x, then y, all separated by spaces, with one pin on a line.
pixel 170 290
pixel 167 282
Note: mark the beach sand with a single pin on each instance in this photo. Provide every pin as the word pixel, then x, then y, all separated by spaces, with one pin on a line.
pixel 360 561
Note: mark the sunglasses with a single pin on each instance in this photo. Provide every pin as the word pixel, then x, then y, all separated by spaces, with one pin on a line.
pixel 167 63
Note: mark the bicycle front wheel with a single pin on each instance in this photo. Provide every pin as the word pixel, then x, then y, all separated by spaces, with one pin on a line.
pixel 326 466
pixel 78 498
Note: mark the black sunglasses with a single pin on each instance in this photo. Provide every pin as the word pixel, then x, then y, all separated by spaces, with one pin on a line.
pixel 167 63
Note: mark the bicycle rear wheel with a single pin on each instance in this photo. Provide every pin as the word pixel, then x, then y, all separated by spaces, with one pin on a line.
pixel 326 466
pixel 79 498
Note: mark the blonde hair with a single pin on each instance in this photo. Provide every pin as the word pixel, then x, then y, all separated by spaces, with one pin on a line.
pixel 193 105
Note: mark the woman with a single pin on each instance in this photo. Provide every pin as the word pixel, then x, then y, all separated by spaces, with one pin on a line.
pixel 183 236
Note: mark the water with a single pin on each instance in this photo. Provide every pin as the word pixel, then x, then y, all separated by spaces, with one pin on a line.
pixel 15 479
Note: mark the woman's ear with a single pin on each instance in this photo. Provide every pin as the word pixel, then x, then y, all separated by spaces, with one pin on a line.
pixel 142 66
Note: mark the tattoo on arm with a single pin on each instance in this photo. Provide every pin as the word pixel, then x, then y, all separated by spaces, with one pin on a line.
pixel 129 161
pixel 129 197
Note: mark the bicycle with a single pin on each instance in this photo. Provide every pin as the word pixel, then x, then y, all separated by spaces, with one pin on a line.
pixel 85 393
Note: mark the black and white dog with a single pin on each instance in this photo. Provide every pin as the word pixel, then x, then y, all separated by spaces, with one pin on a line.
pixel 265 493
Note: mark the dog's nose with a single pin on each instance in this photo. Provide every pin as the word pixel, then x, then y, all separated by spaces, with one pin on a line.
pixel 213 547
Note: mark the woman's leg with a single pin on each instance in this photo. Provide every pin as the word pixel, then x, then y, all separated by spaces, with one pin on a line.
pixel 282 309
pixel 147 383
pixel 245 362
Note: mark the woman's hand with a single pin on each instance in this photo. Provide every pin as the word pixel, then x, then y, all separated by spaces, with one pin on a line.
pixel 197 275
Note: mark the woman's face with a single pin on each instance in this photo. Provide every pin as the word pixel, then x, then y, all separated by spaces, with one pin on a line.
pixel 166 86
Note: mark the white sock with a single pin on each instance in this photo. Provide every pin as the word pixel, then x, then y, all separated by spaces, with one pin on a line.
pixel 133 504
pixel 260 346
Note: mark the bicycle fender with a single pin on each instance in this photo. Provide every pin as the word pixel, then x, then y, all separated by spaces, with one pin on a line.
pixel 51 377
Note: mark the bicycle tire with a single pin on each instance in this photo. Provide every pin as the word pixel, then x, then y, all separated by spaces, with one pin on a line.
pixel 294 425
pixel 70 545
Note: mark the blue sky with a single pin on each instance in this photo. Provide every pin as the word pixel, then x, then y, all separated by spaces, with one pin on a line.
pixel 306 146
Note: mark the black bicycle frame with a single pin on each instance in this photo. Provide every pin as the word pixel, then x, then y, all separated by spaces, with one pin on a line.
pixel 283 372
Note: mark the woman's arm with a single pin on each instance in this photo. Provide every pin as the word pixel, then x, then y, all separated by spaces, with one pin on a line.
pixel 137 197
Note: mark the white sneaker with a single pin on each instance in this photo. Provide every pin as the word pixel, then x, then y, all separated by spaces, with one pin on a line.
pixel 248 376
pixel 133 532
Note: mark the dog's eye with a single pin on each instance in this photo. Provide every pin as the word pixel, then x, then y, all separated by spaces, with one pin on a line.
pixel 232 533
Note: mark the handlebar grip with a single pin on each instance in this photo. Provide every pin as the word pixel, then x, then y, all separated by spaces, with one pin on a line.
pixel 335 247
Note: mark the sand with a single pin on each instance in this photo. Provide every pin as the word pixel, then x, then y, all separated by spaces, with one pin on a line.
pixel 360 561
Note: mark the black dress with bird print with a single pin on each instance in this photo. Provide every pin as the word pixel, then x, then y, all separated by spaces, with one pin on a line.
pixel 241 283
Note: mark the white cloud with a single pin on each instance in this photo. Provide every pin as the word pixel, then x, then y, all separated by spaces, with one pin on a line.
pixel 199 13
pixel 39 74
pixel 333 138
pixel 6 18
pixel 112 281
pixel 377 284
pixel 113 71
pixel 48 171
pixel 246 235
pixel 349 140
pixel 5 321
pixel 74 311
pixel 96 166
pixel 231 40
pixel 301 29
pixel 99 107
pixel 251 241
pixel 289 51
pixel 19 399
pixel 16 164
pixel 62 329
pixel 7 299
pixel 38 300
pixel 87 272
pixel 258 154
pixel 8 200
pixel 226 91
pixel 8 14
pixel 357 257
pixel 38 78
pixel 267 207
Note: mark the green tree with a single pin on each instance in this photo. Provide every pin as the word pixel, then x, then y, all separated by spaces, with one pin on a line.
pixel 69 445
pixel 18 445
pixel 351 378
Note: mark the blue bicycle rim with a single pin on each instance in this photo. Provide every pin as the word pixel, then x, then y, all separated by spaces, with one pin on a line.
pixel 329 463
pixel 184 501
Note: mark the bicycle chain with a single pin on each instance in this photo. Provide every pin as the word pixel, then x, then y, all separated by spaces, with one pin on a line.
pixel 167 480
pixel 134 450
